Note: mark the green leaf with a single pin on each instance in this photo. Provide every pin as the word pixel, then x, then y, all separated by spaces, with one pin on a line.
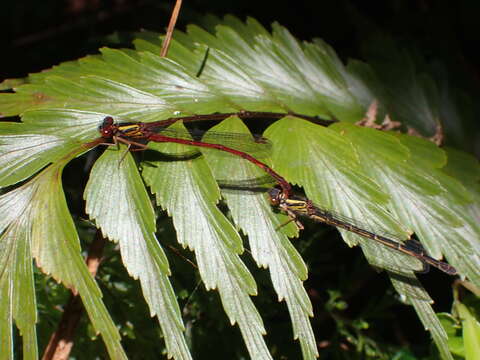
pixel 455 340
pixel 45 136
pixel 423 198
pixel 268 244
pixel 189 193
pixel 471 332
pixel 38 224
pixel 413 292
pixel 11 83
pixel 462 166
pixel 116 184
pixel 6 325
pixel 331 175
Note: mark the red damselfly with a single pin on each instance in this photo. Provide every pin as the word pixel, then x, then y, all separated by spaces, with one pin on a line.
pixel 137 134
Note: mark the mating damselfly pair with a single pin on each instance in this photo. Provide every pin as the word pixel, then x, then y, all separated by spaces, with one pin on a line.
pixel 137 134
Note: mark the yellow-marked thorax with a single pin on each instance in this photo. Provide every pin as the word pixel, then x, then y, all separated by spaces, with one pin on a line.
pixel 131 130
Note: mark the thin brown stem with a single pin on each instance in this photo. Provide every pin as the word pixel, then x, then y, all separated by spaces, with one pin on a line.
pixel 171 27
pixel 61 341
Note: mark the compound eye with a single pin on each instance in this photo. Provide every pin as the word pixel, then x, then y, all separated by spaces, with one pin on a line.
pixel 108 120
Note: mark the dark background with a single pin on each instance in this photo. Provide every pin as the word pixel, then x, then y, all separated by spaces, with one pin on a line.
pixel 38 35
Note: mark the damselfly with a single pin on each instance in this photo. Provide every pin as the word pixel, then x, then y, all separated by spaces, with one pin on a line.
pixel 295 206
pixel 137 134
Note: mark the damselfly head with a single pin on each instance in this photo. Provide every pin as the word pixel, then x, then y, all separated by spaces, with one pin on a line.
pixel 275 195
pixel 107 129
